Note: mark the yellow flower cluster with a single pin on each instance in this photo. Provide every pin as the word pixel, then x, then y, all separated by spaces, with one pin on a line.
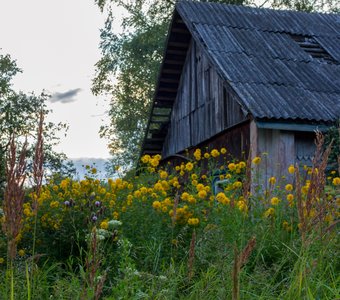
pixel 237 167
pixel 182 195
pixel 193 221
pixel 222 198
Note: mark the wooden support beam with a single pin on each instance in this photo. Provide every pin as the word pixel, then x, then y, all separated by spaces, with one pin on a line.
pixel 158 122
pixel 153 146
pixel 176 51
pixel 151 152
pixel 170 80
pixel 152 140
pixel 180 30
pixel 174 62
pixel 166 89
pixel 160 115
pixel 179 44
pixel 165 99
pixel 171 71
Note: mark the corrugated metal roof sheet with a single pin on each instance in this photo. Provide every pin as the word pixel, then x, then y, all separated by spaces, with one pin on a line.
pixel 260 19
pixel 254 50
pixel 282 102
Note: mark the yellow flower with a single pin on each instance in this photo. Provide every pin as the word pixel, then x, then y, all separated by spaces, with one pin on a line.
pixel 242 164
pixel 202 194
pixel 291 169
pixel 21 252
pixel 223 150
pixel 2 260
pixel 154 162
pixel 174 242
pixel 274 201
pixel 191 199
pixel 104 224
pixel 199 187
pixel 237 184
pixel 336 181
pixel 143 190
pixel 193 221
pixel 272 180
pixel 163 174
pixel 18 238
pixel 94 171
pixel 269 212
pixel 290 197
pixel 289 187
pixel 206 155
pixel 214 153
pixel 286 226
pixel 156 205
pixel 137 194
pixel 28 212
pixel 231 166
pixel 222 198
pixel 185 196
pixel 145 159
pixel 193 176
pixel 197 154
pixel 242 206
pixel 64 183
pixel 189 166
pixel 256 160
pixel 305 189
pixel 54 204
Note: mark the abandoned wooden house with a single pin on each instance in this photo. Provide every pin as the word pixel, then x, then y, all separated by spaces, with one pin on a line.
pixel 246 78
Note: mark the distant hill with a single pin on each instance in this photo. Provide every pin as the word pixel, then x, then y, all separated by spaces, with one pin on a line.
pixel 98 163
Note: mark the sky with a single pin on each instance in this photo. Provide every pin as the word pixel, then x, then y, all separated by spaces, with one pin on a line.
pixel 56 44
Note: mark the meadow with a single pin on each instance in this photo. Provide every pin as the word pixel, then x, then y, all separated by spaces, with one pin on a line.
pixel 209 227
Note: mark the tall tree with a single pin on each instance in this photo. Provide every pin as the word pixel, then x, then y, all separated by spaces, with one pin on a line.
pixel 130 61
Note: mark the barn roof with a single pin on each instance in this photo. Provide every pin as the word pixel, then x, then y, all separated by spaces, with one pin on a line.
pixel 283 65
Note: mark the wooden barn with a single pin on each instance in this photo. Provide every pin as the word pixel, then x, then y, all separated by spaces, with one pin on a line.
pixel 246 78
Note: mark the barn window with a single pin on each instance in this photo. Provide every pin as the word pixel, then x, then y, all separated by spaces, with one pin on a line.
pixel 313 48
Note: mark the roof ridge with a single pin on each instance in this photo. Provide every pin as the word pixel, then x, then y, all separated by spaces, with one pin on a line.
pixel 289 11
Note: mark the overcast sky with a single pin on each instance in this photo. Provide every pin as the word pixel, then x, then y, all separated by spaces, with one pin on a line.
pixel 55 42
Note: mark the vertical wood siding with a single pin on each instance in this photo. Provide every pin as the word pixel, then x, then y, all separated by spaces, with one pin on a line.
pixel 204 105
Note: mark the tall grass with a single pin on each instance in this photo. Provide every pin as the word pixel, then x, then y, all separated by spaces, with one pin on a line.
pixel 165 235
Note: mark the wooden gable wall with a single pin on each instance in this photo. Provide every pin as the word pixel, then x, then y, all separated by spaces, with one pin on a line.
pixel 204 106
